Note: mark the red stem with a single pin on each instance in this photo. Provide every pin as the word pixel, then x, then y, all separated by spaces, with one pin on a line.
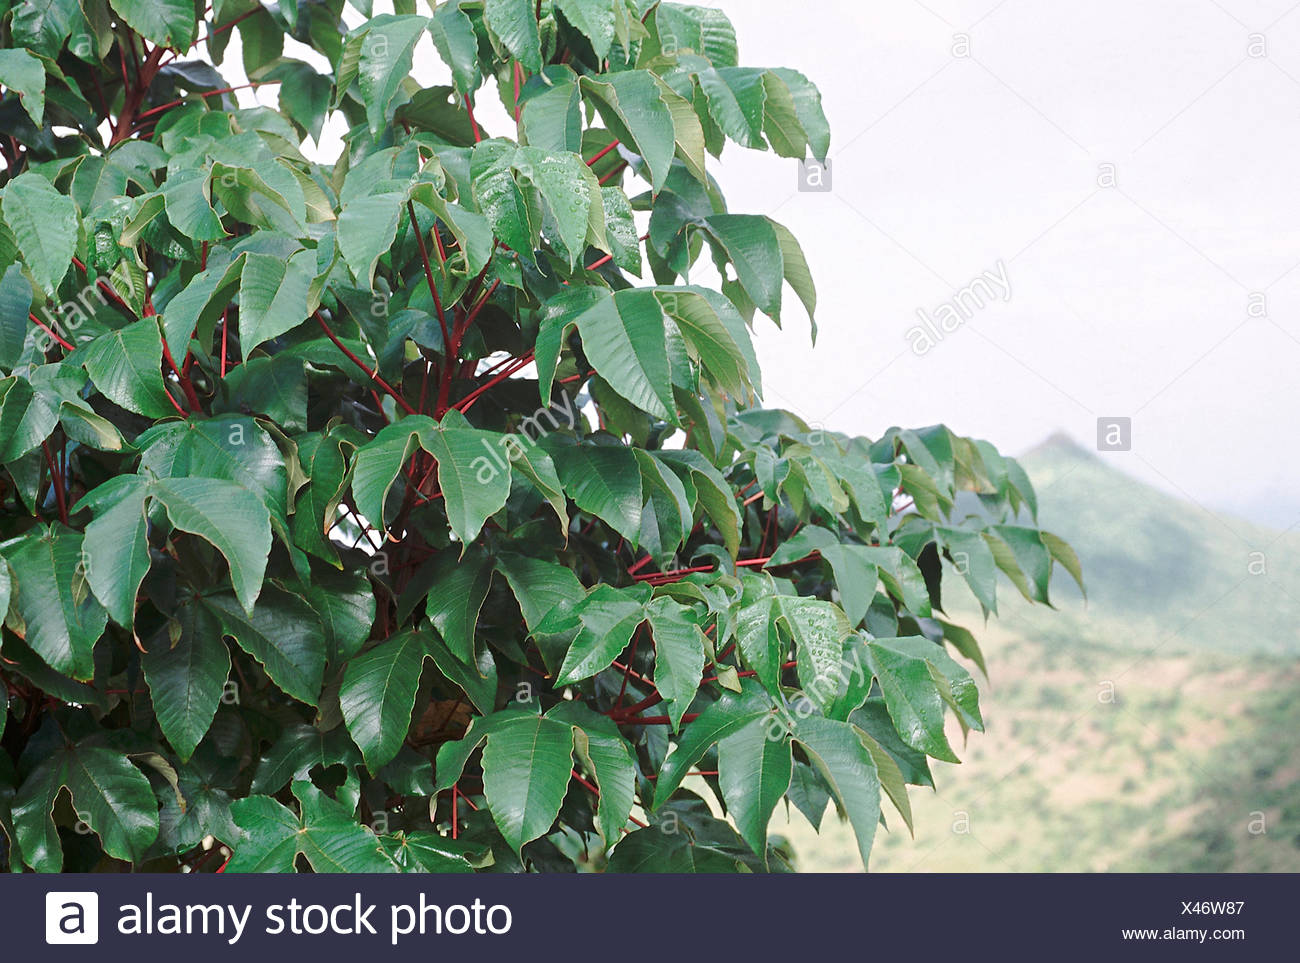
pixel 428 276
pixel 56 481
pixel 225 329
pixel 593 789
pixel 601 153
pixel 509 372
pixel 613 172
pixel 657 720
pixel 226 26
pixel 200 93
pixel 50 331
pixel 469 107
pixel 374 375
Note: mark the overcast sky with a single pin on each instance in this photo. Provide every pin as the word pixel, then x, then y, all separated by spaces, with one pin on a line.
pixel 973 136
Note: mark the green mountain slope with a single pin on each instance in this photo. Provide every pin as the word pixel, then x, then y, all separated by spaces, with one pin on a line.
pixel 1162 572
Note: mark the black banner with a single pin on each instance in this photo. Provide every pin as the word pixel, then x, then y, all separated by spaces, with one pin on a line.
pixel 206 917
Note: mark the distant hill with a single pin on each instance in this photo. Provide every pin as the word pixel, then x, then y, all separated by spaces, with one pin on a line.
pixel 1160 571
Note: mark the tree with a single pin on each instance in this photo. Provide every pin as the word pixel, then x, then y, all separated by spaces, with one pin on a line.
pixel 415 512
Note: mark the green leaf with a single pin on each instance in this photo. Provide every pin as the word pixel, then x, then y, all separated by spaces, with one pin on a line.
pixel 716 496
pixel 116 549
pixel 230 518
pixel 552 119
pixel 499 197
pixel 1062 552
pixel 608 757
pixel 1028 553
pixel 608 617
pixel 187 678
pixel 538 585
pixel 621 229
pixel 385 62
pixel 712 338
pixel 891 778
pixel 44 224
pixel 345 604
pixel 272 837
pixel 109 795
pixel 378 463
pixel 736 99
pixel 625 340
pixel 200 303
pixel 367 227
pixel 275 296
pixel 186 197
pixel 781 123
pixel 22 72
pixel 605 482
pixel 378 695
pixel 819 629
pixel 838 751
pixel 569 188
pixel 453 36
pixel 514 24
pixel 472 473
pixel 268 836
pixel 27 417
pixel 262 192
pixel 752 246
pixel 126 365
pixel 62 618
pixel 918 678
pixel 796 271
pixel 730 713
pixel 167 23
pixel 283 634
pixel 901 576
pixel 527 764
pixel 679 654
pixel 15 304
pixel 974 561
pixel 425 852
pixel 454 589
pixel 298 749
pixel 808 108
pixel 754 773
pixel 632 106
pixel 477 676
pixel 594 19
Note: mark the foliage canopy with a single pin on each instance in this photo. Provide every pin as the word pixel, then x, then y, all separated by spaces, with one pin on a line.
pixel 416 512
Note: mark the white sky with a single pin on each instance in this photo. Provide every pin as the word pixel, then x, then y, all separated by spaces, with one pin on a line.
pixel 1125 301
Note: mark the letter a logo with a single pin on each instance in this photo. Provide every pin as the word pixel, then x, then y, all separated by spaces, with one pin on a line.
pixel 71 917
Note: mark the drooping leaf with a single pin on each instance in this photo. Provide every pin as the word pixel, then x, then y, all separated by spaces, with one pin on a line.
pixel 44 225
pixel 754 770
pixel 110 795
pixel 378 694
pixel 187 677
pixel 527 764
pixel 62 618
pixel 282 633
